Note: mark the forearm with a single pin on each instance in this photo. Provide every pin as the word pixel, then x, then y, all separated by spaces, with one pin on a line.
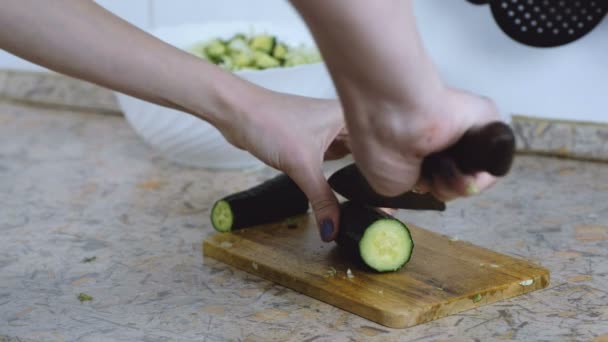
pixel 83 40
pixel 372 49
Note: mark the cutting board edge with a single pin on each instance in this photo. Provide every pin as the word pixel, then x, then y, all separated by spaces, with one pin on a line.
pixel 391 319
pixel 487 296
pixel 386 318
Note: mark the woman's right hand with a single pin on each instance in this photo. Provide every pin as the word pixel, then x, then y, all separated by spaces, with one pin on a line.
pixel 396 107
pixel 390 143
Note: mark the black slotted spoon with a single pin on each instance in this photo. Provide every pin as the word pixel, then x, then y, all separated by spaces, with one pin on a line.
pixel 546 23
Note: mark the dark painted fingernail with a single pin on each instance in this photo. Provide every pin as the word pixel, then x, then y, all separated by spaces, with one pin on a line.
pixel 327 230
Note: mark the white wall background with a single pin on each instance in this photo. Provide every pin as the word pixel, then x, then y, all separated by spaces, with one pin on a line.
pixel 569 82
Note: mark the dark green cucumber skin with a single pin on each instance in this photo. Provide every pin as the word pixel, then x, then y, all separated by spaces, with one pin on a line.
pixel 273 200
pixel 355 218
pixel 350 183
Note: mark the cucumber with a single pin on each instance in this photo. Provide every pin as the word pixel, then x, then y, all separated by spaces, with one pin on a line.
pixel 280 51
pixel 242 60
pixel 350 183
pixel 262 42
pixel 262 51
pixel 273 200
pixel 380 241
pixel 293 59
pixel 215 50
pixel 264 61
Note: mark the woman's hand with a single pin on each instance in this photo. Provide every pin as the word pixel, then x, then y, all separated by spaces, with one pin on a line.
pixel 396 107
pixel 398 137
pixel 295 134
pixel 290 133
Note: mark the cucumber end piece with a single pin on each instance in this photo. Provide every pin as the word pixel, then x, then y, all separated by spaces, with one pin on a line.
pixel 386 245
pixel 222 217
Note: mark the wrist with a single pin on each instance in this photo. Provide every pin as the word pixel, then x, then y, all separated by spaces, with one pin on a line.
pixel 214 95
pixel 418 125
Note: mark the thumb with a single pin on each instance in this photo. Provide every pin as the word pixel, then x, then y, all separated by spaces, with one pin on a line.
pixel 322 200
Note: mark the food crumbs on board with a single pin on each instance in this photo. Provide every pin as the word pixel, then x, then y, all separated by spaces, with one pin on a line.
pixel 494 266
pixel 526 282
pixel 226 244
pixel 83 297
pixel 254 265
pixel 89 259
pixel 331 272
pixel 349 274
pixel 477 298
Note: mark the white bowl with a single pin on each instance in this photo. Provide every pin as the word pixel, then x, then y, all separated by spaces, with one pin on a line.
pixel 188 140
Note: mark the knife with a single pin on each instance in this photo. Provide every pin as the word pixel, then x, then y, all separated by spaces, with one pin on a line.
pixel 487 148
pixel 350 183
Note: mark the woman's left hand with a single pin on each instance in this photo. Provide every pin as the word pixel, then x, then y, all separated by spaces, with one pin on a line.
pixel 296 134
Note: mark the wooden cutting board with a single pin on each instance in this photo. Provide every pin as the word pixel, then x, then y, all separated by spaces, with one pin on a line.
pixel 443 277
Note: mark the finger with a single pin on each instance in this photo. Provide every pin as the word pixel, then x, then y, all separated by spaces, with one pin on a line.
pixel 385 183
pixel 442 189
pixel 461 185
pixel 484 181
pixel 423 186
pixel 322 201
pixel 447 181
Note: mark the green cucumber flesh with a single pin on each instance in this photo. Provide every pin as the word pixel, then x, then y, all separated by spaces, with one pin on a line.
pixel 380 241
pixel 273 200
pixel 386 245
pixel 263 42
pixel 222 216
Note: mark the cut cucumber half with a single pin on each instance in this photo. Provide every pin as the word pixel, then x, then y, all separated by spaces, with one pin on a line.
pixel 386 245
pixel 379 240
pixel 221 216
pixel 273 200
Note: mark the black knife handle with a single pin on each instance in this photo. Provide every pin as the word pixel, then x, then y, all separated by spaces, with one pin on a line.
pixel 487 148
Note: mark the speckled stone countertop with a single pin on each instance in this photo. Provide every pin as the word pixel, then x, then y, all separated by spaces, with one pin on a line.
pixel 76 186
